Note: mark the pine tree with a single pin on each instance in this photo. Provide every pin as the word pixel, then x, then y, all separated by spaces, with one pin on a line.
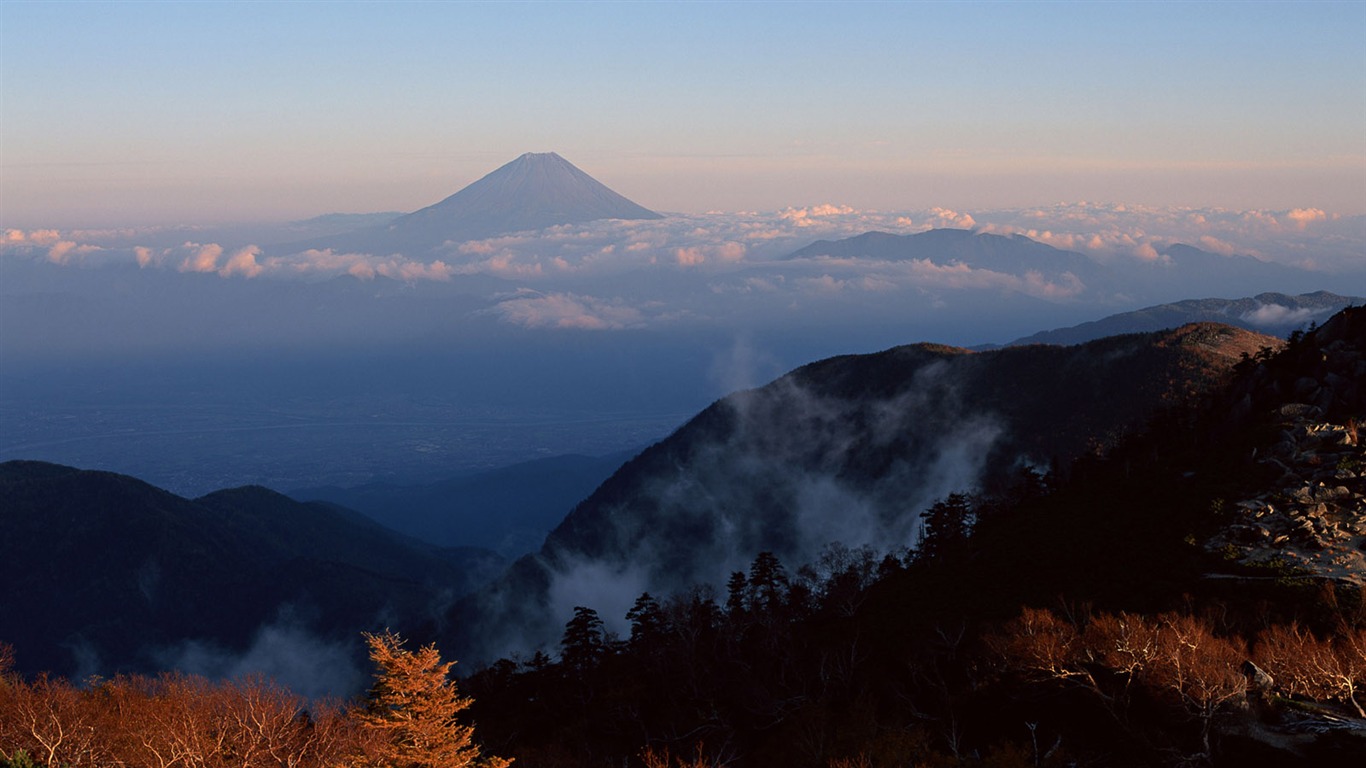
pixel 414 705
pixel 736 590
pixel 768 584
pixel 648 623
pixel 585 640
pixel 945 526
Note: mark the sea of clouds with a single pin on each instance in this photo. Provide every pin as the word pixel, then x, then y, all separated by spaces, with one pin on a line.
pixel 690 268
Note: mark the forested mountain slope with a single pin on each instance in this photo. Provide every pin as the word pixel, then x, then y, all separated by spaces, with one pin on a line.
pixel 1077 618
pixel 848 449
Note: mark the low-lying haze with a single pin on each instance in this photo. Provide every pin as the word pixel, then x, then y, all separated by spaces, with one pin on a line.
pixel 205 357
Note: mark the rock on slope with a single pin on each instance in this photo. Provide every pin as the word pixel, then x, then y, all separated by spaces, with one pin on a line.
pixel 1309 516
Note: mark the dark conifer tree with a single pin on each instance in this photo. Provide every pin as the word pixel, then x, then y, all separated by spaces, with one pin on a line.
pixel 585 640
pixel 737 589
pixel 768 584
pixel 648 623
pixel 945 526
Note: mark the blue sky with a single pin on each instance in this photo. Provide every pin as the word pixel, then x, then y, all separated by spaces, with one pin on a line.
pixel 138 113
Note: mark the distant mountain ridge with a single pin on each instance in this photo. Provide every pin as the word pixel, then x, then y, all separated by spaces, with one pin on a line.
pixel 1274 313
pixel 1001 253
pixel 346 222
pixel 1076 274
pixel 534 191
pixel 508 510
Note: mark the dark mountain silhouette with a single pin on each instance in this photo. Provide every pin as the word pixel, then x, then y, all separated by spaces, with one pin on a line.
pixel 1190 597
pixel 535 191
pixel 103 572
pixel 1273 313
pixel 848 449
pixel 508 510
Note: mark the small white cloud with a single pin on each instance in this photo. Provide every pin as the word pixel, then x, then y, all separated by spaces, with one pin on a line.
pixel 943 217
pixel 1303 217
pixel 203 258
pixel 830 210
pixel 415 270
pixel 65 251
pixel 824 284
pixel 728 252
pixel 1146 252
pixel 32 237
pixel 1066 287
pixel 1215 245
pixel 689 257
pixel 805 217
pixel 1272 315
pixel 241 262
pixel 60 251
pixel 568 310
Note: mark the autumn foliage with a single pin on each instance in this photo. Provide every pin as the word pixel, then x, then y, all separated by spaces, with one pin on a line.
pixel 185 720
pixel 660 758
pixel 1329 668
pixel 1177 660
pixel 172 720
pixel 413 708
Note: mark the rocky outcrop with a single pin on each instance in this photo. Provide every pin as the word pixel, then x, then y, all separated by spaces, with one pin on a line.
pixel 1314 519
pixel 1310 519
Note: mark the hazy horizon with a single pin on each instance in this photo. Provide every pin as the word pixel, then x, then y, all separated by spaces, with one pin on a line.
pixel 137 114
pixel 172 304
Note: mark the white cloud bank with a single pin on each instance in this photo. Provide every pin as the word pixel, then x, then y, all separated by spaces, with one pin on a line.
pixel 1276 316
pixel 1307 237
pixel 712 267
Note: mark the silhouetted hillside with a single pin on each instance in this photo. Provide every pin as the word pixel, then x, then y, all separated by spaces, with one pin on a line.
pixel 508 510
pixel 103 572
pixel 1071 619
pixel 849 449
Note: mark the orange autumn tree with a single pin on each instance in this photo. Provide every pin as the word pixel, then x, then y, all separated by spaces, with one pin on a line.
pixel 414 706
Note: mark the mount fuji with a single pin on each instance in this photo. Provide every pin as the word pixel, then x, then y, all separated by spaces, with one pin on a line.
pixel 535 191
